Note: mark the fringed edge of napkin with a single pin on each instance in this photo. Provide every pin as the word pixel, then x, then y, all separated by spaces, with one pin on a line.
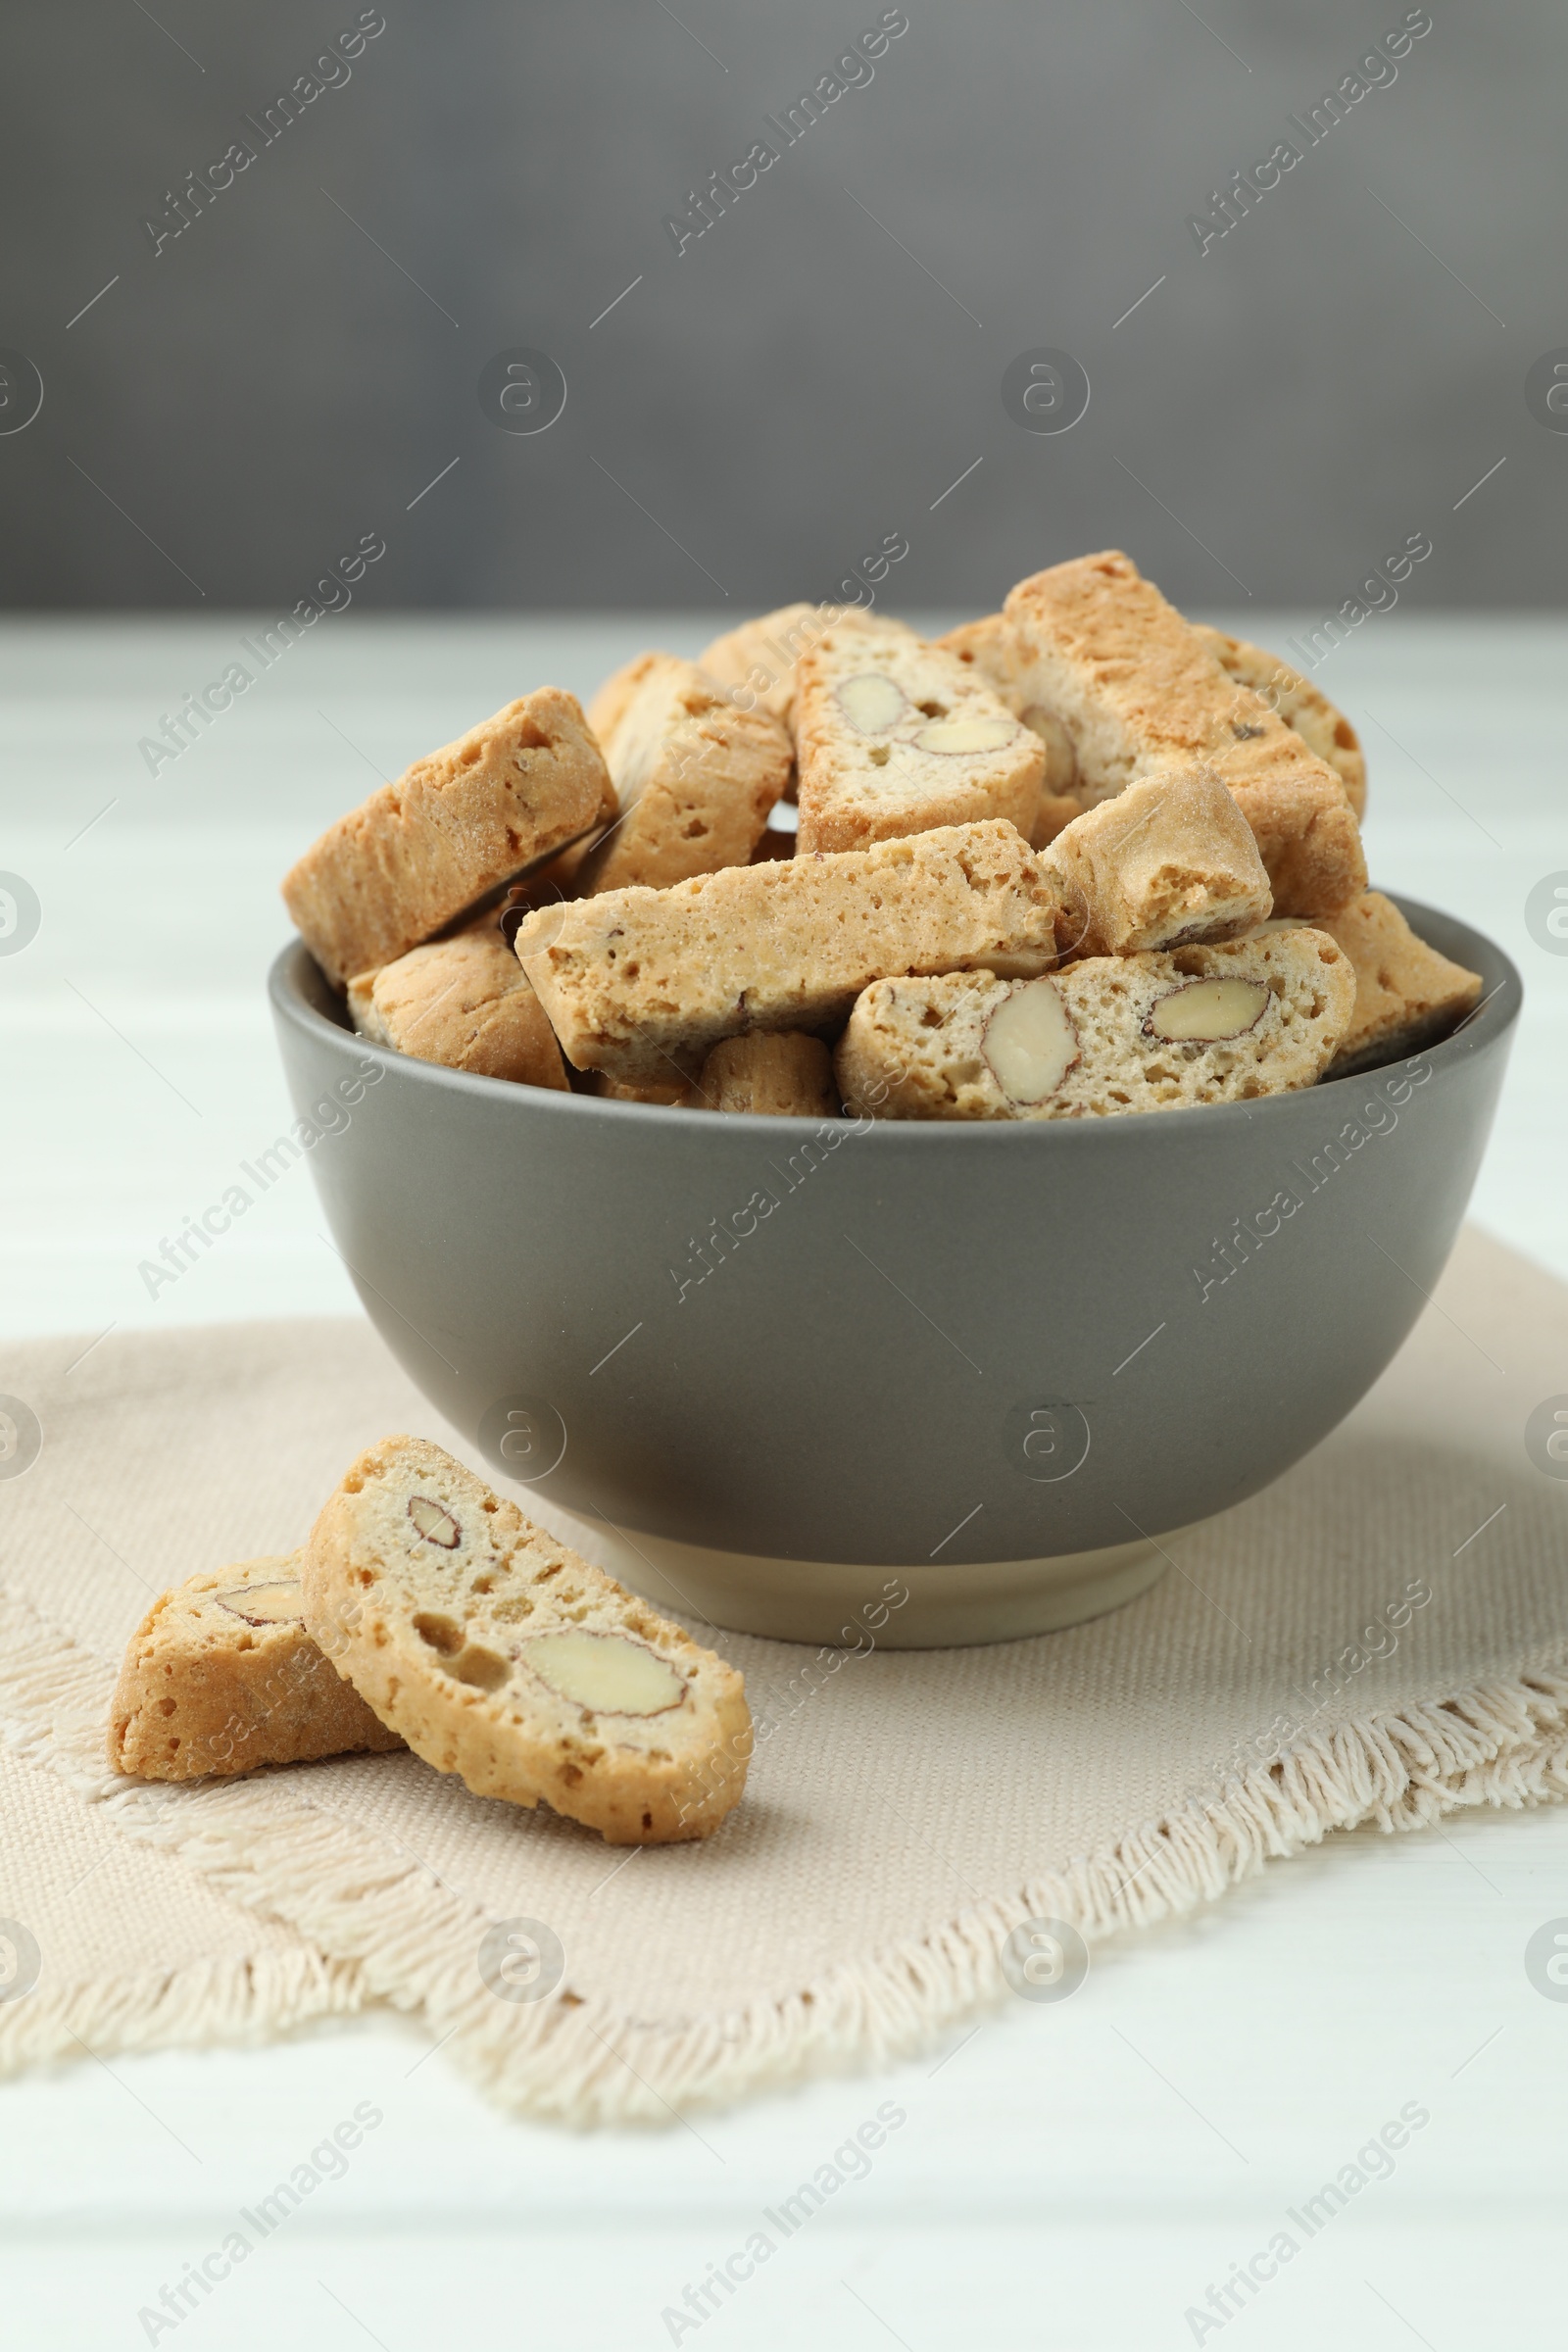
pixel 50 1691
pixel 1500 1742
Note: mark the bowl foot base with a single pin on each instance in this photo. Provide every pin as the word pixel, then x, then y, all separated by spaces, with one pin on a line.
pixel 831 1603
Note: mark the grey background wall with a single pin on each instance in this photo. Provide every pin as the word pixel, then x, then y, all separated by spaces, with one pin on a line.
pixel 810 374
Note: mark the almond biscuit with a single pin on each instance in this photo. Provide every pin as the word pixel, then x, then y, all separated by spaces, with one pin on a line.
pixel 1167 861
pixel 1112 1035
pixel 642 973
pixel 502 1656
pixel 991 647
pixel 778 1073
pixel 221 1675
pixel 409 859
pixel 894 737
pixel 694 775
pixel 1139 692
pixel 674 1093
pixel 1406 995
pixel 1302 705
pixel 465 1003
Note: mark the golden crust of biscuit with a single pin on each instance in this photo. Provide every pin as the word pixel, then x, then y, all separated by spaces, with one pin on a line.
pixel 465 1003
pixel 1139 692
pixel 694 776
pixel 1406 995
pixel 411 858
pixel 1168 861
pixel 1322 727
pixel 638 977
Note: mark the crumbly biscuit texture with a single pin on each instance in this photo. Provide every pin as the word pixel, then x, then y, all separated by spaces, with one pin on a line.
pixel 502 1656
pixel 782 946
pixel 1112 1035
pixel 1168 861
pixel 894 736
pixel 991 647
pixel 220 1675
pixel 465 1003
pixel 756 664
pixel 780 1074
pixel 1139 692
pixel 409 859
pixel 1322 727
pixel 1406 995
pixel 694 776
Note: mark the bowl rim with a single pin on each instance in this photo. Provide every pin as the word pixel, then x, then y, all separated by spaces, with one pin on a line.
pixel 1484 1029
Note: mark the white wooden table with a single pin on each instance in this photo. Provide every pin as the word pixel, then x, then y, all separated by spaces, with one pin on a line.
pixel 1070 2177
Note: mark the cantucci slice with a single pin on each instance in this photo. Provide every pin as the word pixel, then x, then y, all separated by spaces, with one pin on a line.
pixel 465 1003
pixel 1406 995
pixel 990 646
pixel 638 975
pixel 1140 692
pixel 694 775
pixel 220 1675
pixel 1322 727
pixel 502 1656
pixel 1168 861
pixel 894 736
pixel 1112 1033
pixel 409 859
pixel 779 1074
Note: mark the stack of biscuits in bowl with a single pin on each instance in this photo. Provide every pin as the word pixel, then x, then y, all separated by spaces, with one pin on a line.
pixel 1081 857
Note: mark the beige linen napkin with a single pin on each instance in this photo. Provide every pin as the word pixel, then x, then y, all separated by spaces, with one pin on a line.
pixel 109 1944
pixel 1381 1637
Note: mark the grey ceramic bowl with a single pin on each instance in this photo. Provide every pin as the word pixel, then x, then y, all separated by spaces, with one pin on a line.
pixel 782 1365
